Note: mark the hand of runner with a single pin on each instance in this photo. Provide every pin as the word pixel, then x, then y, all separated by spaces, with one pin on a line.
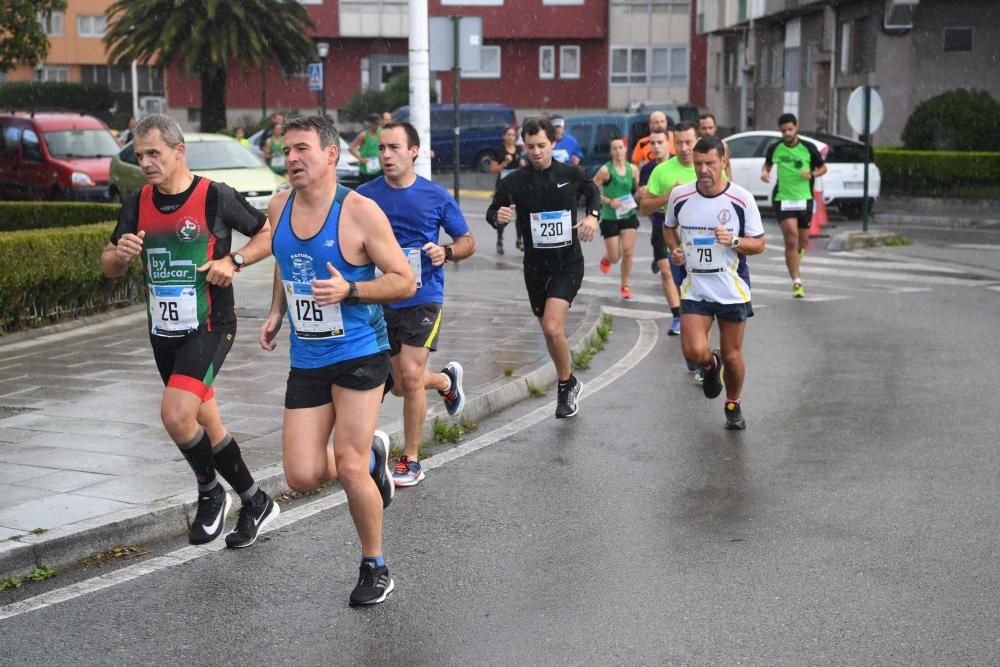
pixel 641 193
pixel 332 290
pixel 434 252
pixel 765 175
pixel 615 203
pixel 723 236
pixel 220 271
pixel 587 228
pixel 677 256
pixel 269 330
pixel 806 175
pixel 505 214
pixel 129 245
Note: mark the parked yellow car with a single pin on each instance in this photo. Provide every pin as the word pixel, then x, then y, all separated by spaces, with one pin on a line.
pixel 214 156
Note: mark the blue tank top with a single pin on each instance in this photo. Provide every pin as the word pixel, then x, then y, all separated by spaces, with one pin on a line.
pixel 324 335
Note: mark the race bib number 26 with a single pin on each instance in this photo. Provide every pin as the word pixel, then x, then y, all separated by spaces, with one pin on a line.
pixel 173 309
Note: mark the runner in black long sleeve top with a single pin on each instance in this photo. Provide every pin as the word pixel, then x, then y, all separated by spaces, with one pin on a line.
pixel 544 196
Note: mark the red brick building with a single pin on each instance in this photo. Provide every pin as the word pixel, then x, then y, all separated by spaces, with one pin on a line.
pixel 537 54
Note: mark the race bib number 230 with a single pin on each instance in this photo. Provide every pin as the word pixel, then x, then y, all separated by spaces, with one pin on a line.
pixel 551 229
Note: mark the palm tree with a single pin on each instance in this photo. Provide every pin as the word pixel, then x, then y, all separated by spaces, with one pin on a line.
pixel 206 37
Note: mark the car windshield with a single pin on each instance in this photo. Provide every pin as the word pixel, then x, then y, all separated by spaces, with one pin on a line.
pixel 207 155
pixel 81 143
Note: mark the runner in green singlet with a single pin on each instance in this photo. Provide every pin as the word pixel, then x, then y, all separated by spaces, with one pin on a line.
pixel 274 149
pixel 619 224
pixel 365 149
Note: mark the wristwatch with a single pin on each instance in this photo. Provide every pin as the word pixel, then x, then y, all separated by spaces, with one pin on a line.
pixel 595 213
pixel 735 243
pixel 352 294
pixel 238 260
pixel 448 253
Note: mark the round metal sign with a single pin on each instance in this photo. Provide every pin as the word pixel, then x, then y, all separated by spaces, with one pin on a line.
pixel 856 110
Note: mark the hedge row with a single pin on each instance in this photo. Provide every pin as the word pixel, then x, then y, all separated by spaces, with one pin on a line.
pixel 50 274
pixel 15 215
pixel 935 172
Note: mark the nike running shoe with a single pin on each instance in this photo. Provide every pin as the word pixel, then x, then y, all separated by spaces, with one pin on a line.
pixel 454 396
pixel 626 292
pixel 712 385
pixel 374 585
pixel 210 519
pixel 675 327
pixel 797 291
pixel 499 247
pixel 605 264
pixel 254 515
pixel 734 417
pixel 381 473
pixel 568 400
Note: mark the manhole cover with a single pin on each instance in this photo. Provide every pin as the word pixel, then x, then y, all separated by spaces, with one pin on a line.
pixel 10 411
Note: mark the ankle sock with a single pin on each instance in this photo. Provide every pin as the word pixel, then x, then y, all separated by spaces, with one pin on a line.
pixel 378 561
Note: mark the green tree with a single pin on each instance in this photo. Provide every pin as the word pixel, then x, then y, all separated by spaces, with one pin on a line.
pixel 205 36
pixel 959 120
pixel 22 37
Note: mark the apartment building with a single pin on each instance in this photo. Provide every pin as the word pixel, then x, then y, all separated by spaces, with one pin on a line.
pixel 766 57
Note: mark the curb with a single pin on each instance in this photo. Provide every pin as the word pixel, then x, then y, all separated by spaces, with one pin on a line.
pixel 854 240
pixel 948 222
pixel 10 341
pixel 170 517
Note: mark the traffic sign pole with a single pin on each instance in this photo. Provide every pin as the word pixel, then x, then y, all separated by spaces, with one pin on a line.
pixel 866 205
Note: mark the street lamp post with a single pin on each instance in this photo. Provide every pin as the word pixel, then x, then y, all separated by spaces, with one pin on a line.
pixel 322 50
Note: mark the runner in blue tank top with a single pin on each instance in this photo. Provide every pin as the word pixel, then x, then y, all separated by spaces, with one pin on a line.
pixel 326 246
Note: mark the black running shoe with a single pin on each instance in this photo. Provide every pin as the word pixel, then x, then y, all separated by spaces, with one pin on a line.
pixel 382 474
pixel 499 247
pixel 520 244
pixel 210 519
pixel 254 515
pixel 734 417
pixel 712 385
pixel 568 401
pixel 374 585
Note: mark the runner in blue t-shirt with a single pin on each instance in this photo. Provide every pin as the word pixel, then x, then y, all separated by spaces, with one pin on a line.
pixel 417 210
pixel 566 148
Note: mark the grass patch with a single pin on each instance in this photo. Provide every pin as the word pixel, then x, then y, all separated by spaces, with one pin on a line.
pixel 468 425
pixel 535 389
pixel 114 554
pixel 10 582
pixel 897 240
pixel 42 573
pixel 39 531
pixel 508 372
pixel 447 432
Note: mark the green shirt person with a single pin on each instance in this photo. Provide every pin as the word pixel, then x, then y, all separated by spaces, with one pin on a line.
pixel 365 149
pixel 274 149
pixel 678 170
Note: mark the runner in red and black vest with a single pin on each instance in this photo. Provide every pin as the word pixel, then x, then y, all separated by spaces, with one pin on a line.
pixel 181 226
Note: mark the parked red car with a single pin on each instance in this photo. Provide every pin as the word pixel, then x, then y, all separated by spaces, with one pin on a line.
pixel 63 156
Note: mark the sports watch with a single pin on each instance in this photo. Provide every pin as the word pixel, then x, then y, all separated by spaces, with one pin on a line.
pixel 448 253
pixel 352 298
pixel 238 260
pixel 735 243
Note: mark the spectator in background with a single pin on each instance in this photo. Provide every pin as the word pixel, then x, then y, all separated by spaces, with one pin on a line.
pixel 567 148
pixel 364 148
pixel 505 159
pixel 127 135
pixel 240 135
pixel 386 117
pixel 707 127
pixel 276 117
pixel 642 153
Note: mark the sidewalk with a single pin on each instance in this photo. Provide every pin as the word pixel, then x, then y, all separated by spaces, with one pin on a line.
pixel 85 463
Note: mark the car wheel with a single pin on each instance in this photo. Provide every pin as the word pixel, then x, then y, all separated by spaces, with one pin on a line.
pixel 482 162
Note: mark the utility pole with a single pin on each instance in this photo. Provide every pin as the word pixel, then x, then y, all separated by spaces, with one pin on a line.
pixel 420 83
pixel 456 73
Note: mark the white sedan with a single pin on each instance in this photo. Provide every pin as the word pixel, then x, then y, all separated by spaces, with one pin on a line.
pixel 348 169
pixel 842 186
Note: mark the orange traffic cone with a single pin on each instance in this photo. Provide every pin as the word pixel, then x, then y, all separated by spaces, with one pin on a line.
pixel 819 217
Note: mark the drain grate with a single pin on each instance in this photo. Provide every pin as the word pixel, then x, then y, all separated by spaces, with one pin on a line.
pixel 10 410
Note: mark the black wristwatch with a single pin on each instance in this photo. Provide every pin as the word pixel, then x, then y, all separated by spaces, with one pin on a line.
pixel 352 298
pixel 448 253
pixel 596 214
pixel 238 260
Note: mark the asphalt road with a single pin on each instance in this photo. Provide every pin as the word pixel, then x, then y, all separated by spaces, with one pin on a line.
pixel 853 522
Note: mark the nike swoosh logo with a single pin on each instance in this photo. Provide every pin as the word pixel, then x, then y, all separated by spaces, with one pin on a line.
pixel 562 185
pixel 214 526
pixel 258 519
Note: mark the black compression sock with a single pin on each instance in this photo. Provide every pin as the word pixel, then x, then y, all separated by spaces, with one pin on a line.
pixel 198 453
pixel 229 463
pixel 676 312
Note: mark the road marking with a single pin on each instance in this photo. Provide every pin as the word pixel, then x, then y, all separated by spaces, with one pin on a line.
pixel 640 350
pixel 635 313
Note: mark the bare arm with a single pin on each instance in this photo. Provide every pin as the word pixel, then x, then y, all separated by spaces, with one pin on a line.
pixel 116 258
pixel 353 148
pixel 650 204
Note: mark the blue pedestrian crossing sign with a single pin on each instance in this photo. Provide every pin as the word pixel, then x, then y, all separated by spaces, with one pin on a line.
pixel 315 76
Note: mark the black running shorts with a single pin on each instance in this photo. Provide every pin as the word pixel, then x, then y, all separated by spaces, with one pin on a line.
pixel 659 244
pixel 804 218
pixel 191 362
pixel 612 228
pixel 543 283
pixel 730 312
pixel 311 387
pixel 416 326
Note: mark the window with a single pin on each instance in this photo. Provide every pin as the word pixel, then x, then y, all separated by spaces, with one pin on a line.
pixel 90 26
pixel 119 78
pixel 958 39
pixel 51 73
pixel 52 23
pixel 11 138
pixel 811 64
pixel 628 65
pixel 30 148
pixel 489 67
pixel 731 70
pixel 857 46
pixel 546 62
pixel 670 66
pixel 742 146
pixel 664 66
pixel 647 6
pixel 562 2
pixel 569 62
pixel 486 3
